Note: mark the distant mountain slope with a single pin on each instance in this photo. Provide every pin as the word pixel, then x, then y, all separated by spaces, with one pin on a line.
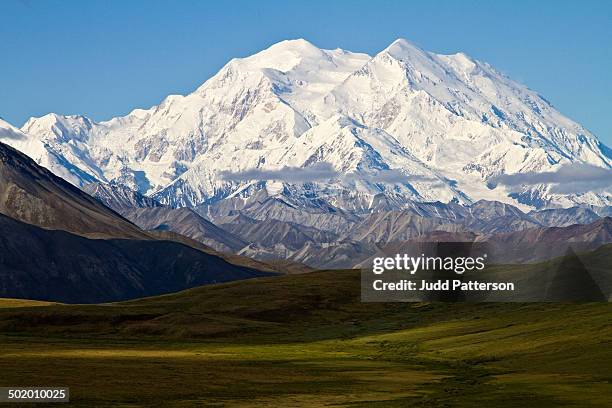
pixel 186 222
pixel 31 193
pixel 392 226
pixel 534 244
pixel 340 255
pixel 119 197
pixel 58 266
pixel 395 232
pixel 270 232
pixel 602 211
pixel 275 265
pixel 563 217
pixel 597 231
pixel 281 206
pixel 404 124
pixel 280 228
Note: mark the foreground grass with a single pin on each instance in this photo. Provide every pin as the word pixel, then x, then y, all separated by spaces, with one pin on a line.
pixel 10 303
pixel 307 340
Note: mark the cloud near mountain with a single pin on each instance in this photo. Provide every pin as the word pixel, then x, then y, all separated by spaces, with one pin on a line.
pixel 316 172
pixel 390 176
pixel 319 172
pixel 574 178
pixel 10 133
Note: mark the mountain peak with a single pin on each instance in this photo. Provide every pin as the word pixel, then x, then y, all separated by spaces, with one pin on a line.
pixel 61 127
pixel 284 56
pixel 295 43
pixel 64 120
pixel 449 121
pixel 302 55
pixel 402 47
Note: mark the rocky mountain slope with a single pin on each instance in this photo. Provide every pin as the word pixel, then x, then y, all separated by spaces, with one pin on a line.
pixel 523 246
pixel 186 222
pixel 281 231
pixel 562 217
pixel 32 194
pixel 47 250
pixel 533 244
pixel 119 197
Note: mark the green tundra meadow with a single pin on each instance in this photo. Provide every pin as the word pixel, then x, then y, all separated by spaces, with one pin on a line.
pixel 307 341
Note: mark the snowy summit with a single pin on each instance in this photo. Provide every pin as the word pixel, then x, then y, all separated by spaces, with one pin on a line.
pixel 405 123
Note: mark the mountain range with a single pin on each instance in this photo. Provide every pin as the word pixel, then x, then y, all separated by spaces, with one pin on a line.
pixel 291 159
pixel 332 128
pixel 272 228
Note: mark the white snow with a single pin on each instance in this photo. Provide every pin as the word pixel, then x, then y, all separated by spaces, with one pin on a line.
pixel 449 122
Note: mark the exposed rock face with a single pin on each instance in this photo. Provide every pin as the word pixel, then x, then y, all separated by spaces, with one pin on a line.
pixel 186 222
pixel 119 197
pixel 563 217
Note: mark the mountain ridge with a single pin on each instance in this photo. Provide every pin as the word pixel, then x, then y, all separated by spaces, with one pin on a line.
pixel 444 125
pixel 33 194
pixel 56 265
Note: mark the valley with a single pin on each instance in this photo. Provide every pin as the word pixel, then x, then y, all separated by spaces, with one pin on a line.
pixel 307 340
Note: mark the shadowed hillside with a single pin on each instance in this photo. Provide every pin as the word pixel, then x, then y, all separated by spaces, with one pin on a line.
pixel 32 194
pixel 55 265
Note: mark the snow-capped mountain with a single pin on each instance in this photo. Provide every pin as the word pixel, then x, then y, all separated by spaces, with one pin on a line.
pixel 45 154
pixel 444 126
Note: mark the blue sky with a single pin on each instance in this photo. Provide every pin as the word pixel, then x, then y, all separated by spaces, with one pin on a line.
pixel 104 58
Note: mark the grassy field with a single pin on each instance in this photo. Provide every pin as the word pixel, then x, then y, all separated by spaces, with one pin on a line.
pixel 307 340
pixel 11 303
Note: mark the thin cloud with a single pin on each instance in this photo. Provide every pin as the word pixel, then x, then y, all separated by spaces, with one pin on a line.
pixel 391 176
pixel 316 172
pixel 11 134
pixel 573 178
pixel 320 172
